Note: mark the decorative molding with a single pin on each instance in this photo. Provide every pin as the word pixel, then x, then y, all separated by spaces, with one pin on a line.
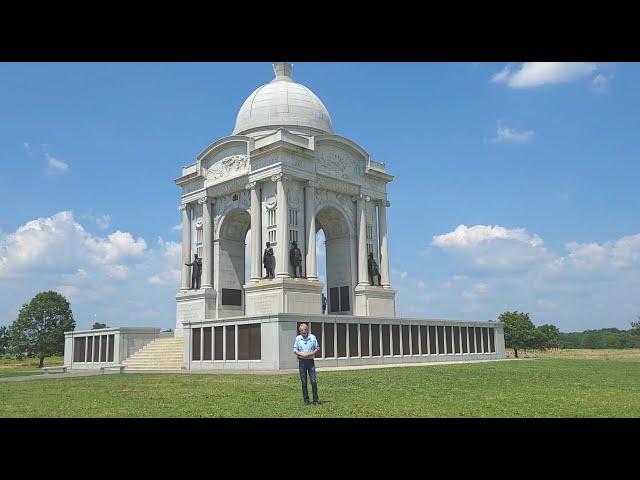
pixel 338 163
pixel 203 200
pixel 233 185
pixel 294 195
pixel 228 167
pixel 251 185
pixel 277 177
pixel 338 186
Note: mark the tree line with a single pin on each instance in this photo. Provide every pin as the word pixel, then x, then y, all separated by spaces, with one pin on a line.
pixel 520 334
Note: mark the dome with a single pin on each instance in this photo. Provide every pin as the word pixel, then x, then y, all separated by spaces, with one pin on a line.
pixel 283 103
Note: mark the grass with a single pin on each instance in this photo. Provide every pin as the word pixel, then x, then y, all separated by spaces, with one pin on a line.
pixel 546 388
pixel 618 354
pixel 11 367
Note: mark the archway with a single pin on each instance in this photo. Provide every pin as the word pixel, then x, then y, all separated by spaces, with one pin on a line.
pixel 231 259
pixel 332 230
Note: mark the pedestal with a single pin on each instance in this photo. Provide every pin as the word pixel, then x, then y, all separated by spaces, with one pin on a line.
pixel 283 295
pixel 374 301
pixel 194 305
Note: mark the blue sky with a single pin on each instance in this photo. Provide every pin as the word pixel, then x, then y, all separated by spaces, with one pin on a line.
pixel 516 185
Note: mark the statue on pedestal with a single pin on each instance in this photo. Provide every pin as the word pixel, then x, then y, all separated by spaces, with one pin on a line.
pixel 373 270
pixel 196 271
pixel 269 261
pixel 295 257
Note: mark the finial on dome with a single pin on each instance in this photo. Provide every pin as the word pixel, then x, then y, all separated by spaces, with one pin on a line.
pixel 282 71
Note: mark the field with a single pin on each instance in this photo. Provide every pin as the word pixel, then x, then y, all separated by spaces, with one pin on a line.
pixel 26 366
pixel 528 388
pixel 621 355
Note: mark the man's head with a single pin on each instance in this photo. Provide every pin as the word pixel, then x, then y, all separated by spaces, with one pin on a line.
pixel 268 244
pixel 295 244
pixel 303 329
pixel 195 255
pixel 370 254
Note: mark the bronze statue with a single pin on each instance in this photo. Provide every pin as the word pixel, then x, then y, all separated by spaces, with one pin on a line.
pixel 373 270
pixel 196 271
pixel 269 261
pixel 295 257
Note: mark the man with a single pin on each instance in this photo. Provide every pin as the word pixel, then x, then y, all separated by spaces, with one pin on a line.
pixel 324 303
pixel 268 260
pixel 295 257
pixel 373 270
pixel 305 348
pixel 196 271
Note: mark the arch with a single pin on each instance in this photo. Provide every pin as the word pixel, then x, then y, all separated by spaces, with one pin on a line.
pixel 234 225
pixel 331 204
pixel 339 258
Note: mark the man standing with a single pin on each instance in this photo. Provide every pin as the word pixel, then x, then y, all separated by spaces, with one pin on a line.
pixel 373 270
pixel 295 258
pixel 268 260
pixel 196 272
pixel 305 348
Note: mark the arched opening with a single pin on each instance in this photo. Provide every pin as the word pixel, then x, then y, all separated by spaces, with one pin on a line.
pixel 232 260
pixel 334 244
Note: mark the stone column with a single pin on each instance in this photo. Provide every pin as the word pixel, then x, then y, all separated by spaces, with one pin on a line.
pixel 282 263
pixel 256 231
pixel 186 246
pixel 310 222
pixel 207 245
pixel 384 248
pixel 363 271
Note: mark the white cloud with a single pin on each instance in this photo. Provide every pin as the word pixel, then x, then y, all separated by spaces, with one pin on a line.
pixel 478 290
pixel 421 284
pixel 120 272
pixel 56 165
pixel 177 228
pixel 102 221
pixel 601 83
pixel 537 74
pixel 506 134
pixel 464 236
pixel 460 278
pixel 58 243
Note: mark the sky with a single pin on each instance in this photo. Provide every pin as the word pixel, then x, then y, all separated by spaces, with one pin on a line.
pixel 516 184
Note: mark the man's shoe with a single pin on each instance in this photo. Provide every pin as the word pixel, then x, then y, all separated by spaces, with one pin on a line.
pixel 316 402
pixel 306 402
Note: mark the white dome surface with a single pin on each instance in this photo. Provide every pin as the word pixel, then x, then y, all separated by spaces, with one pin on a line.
pixel 283 103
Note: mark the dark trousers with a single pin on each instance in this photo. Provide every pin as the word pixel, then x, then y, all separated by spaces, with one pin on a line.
pixel 307 365
pixel 195 282
pixel 371 277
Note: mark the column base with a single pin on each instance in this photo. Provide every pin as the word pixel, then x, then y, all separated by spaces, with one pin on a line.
pixel 374 301
pixel 283 295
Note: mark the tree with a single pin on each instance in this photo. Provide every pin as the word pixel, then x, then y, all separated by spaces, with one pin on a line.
pixel 98 325
pixel 548 336
pixel 519 331
pixel 40 326
pixel 635 327
pixel 4 340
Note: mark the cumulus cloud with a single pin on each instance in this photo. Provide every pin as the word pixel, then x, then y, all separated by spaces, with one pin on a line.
pixel 464 236
pixel 506 134
pixel 53 165
pixel 537 74
pixel 116 275
pixel 62 243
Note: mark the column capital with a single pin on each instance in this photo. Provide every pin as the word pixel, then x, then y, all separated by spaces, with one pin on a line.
pixel 277 176
pixel 203 200
pixel 182 207
pixel 312 183
pixel 364 198
pixel 384 203
pixel 251 185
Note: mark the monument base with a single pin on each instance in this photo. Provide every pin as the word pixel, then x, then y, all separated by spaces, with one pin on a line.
pixel 194 305
pixel 374 301
pixel 283 295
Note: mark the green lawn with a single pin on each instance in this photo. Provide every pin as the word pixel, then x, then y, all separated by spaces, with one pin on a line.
pixel 529 388
pixel 11 367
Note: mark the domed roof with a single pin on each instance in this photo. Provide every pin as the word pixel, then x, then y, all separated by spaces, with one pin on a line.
pixel 283 103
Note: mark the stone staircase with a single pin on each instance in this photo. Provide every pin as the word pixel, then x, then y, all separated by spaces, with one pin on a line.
pixel 162 354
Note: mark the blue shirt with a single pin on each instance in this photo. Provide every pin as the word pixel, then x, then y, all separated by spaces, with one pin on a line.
pixel 306 344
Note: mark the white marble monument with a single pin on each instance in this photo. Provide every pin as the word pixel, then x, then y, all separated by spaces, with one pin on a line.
pixel 284 174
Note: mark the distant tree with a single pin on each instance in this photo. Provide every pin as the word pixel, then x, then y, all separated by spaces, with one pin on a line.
pixel 519 331
pixel 548 336
pixel 635 327
pixel 40 326
pixel 98 325
pixel 4 340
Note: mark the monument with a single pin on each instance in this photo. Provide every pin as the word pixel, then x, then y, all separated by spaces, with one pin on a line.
pixel 283 174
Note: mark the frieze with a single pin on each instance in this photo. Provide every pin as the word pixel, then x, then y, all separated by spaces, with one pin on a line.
pixel 338 163
pixel 265 161
pixel 234 185
pixel 192 187
pixel 228 167
pixel 375 184
pixel 338 185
